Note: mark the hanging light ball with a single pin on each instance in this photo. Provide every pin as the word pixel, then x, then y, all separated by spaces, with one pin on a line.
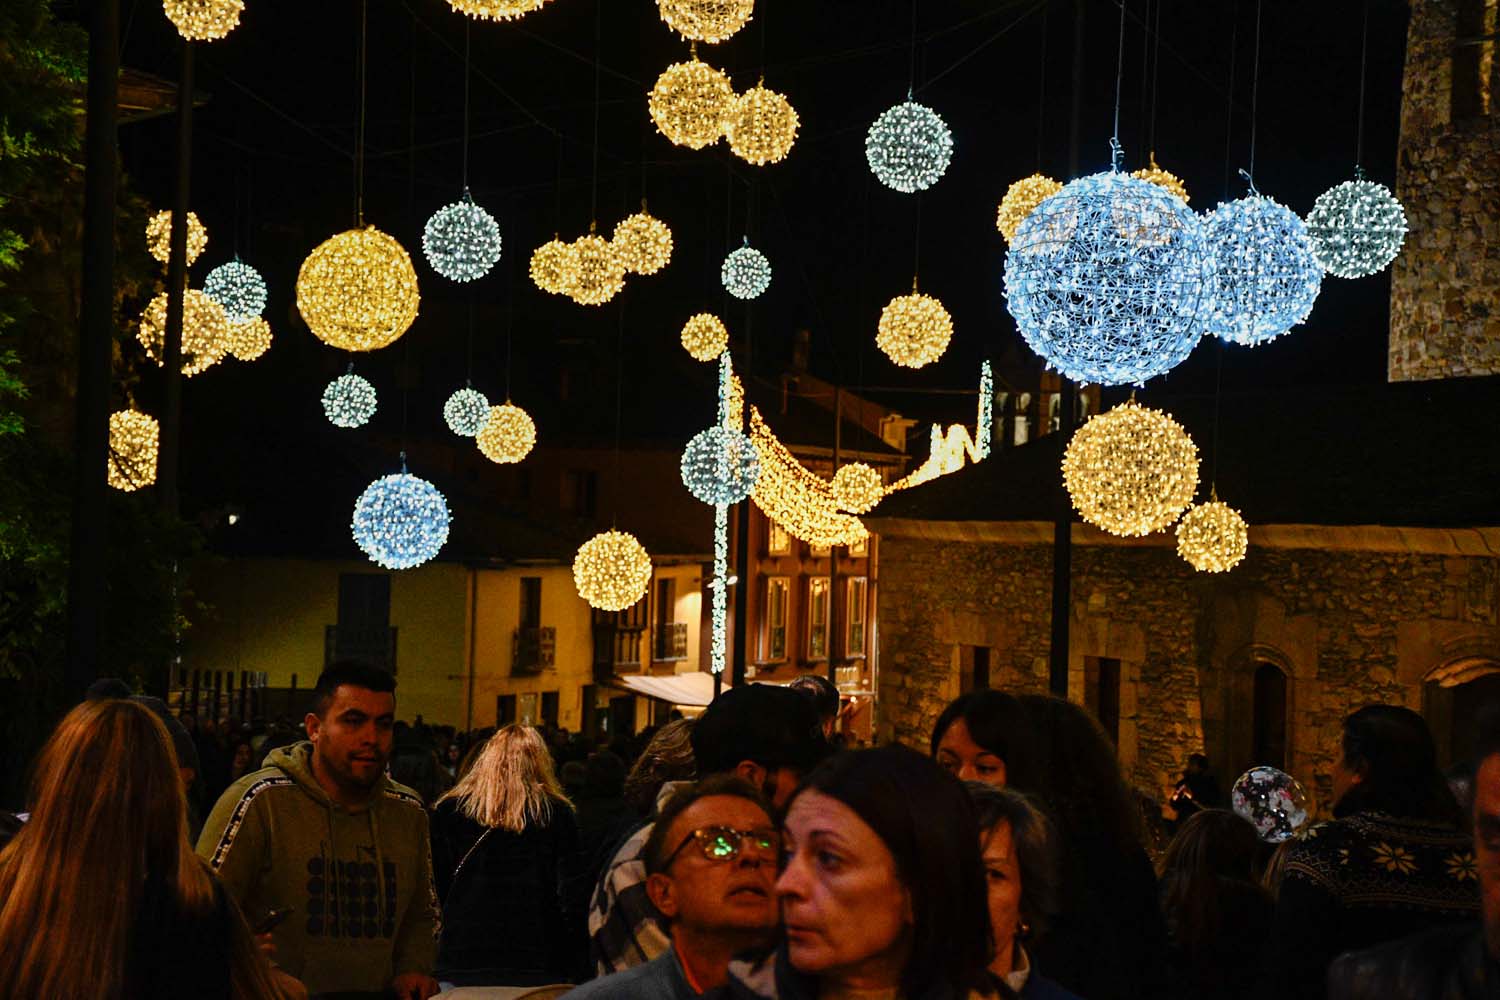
pixel 746 273
pixel 1164 179
pixel 466 411
pixel 720 465
pixel 249 338
pixel 349 401
pixel 643 243
pixel 205 331
pixel 612 570
pixel 508 434
pixel 1212 537
pixel 706 20
pixel 1020 200
pixel 704 336
pixel 554 267
pixel 496 10
pixel 909 147
pixel 357 291
pixel 159 236
pixel 857 488
pixel 914 330
pixel 133 439
pixel 400 521
pixel 761 126
pixel 461 240
pixel 1104 280
pixel 1263 276
pixel 1131 471
pixel 600 272
pixel 1357 228
pixel 203 20
pixel 237 287
pixel 689 103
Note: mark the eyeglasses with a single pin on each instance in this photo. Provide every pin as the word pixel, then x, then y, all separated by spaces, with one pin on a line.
pixel 723 843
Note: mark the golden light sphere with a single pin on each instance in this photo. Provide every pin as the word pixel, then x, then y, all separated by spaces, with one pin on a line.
pixel 133 438
pixel 600 273
pixel 706 20
pixel 496 10
pixel 689 103
pixel 1021 198
pixel 704 336
pixel 643 243
pixel 914 330
pixel 612 570
pixel 1212 537
pixel 205 331
pixel 554 267
pixel 857 488
pixel 1131 471
pixel 159 236
pixel 204 20
pixel 357 291
pixel 761 126
pixel 508 434
pixel 1162 178
pixel 249 338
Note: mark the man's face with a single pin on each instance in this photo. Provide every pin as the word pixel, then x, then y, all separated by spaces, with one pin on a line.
pixel 352 741
pixel 1487 846
pixel 709 894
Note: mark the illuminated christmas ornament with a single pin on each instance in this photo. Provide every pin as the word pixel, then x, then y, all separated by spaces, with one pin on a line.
pixel 554 267
pixel 400 521
pixel 1164 179
pixel 1212 537
pixel 1020 200
pixel 466 411
pixel 704 336
pixel 761 126
pixel 508 434
pixel 984 431
pixel 203 20
pixel 857 488
pixel 159 236
pixel 349 400
pixel 1357 228
pixel 1104 279
pixel 1131 471
pixel 643 243
pixel 462 240
pixel 690 102
pixel 746 272
pixel 706 20
pixel 612 571
pixel 357 291
pixel 600 273
pixel 1263 277
pixel 909 147
pixel 237 287
pixel 205 331
pixel 794 497
pixel 914 329
pixel 720 466
pixel 496 10
pixel 249 338
pixel 133 438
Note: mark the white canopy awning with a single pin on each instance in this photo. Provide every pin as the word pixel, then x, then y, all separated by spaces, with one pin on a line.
pixel 680 689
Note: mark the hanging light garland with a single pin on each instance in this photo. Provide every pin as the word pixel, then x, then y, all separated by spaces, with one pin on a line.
pixel 249 338
pixel 612 571
pixel 237 287
pixel 357 291
pixel 1164 179
pixel 791 495
pixel 1263 276
pixel 704 336
pixel 731 418
pixel 1357 228
pixel 985 429
pixel 400 521
pixel 554 267
pixel 761 126
pixel 1212 537
pixel 159 236
pixel 706 20
pixel 203 20
pixel 349 400
pixel 690 102
pixel 1131 471
pixel 914 329
pixel 642 242
pixel 205 331
pixel 1021 199
pixel 857 488
pixel 720 465
pixel 466 411
pixel 909 147
pixel 746 272
pixel 462 240
pixel 133 441
pixel 600 273
pixel 508 434
pixel 496 10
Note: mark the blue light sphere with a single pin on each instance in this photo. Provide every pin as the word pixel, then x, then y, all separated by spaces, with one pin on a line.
pixel 400 521
pixel 909 147
pixel 466 411
pixel 349 401
pixel 746 273
pixel 720 465
pixel 1357 228
pixel 1105 277
pixel 461 240
pixel 239 288
pixel 1263 277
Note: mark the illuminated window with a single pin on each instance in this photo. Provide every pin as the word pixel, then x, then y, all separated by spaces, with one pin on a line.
pixel 778 542
pixel 819 551
pixel 773 637
pixel 817 618
pixel 854 643
pixel 860 549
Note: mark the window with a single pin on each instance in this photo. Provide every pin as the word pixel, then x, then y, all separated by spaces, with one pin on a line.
pixel 527 709
pixel 778 542
pixel 819 551
pixel 531 602
pixel 364 628
pixel 549 708
pixel 666 602
pixel 1473 60
pixel 860 549
pixel 1268 742
pixel 817 618
pixel 854 640
pixel 974 668
pixel 580 492
pixel 505 709
pixel 1101 691
pixel 773 638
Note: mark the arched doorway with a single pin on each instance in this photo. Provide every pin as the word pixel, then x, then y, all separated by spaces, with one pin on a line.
pixel 1452 699
pixel 1268 721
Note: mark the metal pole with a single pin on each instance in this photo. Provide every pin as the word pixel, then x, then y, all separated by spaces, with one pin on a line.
pixel 171 418
pixel 741 590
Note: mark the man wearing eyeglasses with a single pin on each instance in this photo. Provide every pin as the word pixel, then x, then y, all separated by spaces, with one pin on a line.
pixel 710 867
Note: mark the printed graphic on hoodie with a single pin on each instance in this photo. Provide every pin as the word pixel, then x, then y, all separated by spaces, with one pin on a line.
pixel 345 900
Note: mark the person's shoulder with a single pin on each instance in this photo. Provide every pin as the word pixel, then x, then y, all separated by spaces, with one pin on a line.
pixel 650 980
pixel 267 781
pixel 1039 987
pixel 402 798
pixel 1411 966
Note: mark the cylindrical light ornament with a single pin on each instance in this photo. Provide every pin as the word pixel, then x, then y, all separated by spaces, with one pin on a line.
pixel 133 440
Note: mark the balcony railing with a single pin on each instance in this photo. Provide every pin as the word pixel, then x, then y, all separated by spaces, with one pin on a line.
pixel 533 650
pixel 671 642
pixel 616 649
pixel 375 645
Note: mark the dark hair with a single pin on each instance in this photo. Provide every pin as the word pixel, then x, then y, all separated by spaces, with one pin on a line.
pixel 668 757
pixel 1391 748
pixel 355 673
pixel 925 818
pixel 772 726
pixel 990 716
pixel 604 775
pixel 1197 758
pixel 1213 856
pixel 1486 734
pixel 824 696
pixel 656 848
pixel 1035 842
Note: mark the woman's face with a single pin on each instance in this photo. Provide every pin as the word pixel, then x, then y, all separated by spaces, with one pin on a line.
pixel 1002 876
pixel 960 756
pixel 848 916
pixel 242 757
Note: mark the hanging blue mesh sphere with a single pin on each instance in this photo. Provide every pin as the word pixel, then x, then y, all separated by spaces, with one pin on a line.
pixel 1262 275
pixel 466 411
pixel 720 465
pixel 1357 228
pixel 1104 279
pixel 462 240
pixel 400 521
pixel 909 147
pixel 349 401
pixel 746 273
pixel 239 288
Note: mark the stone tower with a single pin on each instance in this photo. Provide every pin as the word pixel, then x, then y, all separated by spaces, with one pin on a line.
pixel 1445 285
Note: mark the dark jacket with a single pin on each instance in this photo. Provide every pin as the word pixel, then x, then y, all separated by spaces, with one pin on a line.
pixel 1221 961
pixel 1449 963
pixel 771 977
pixel 175 954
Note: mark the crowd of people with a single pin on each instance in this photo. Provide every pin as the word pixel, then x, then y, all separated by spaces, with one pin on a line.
pixel 742 854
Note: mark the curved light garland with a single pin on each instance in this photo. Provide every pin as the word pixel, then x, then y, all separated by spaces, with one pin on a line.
pixel 133 440
pixel 857 488
pixel 1021 199
pixel 914 329
pixel 462 240
pixel 496 10
pixel 349 400
pixel 643 243
pixel 761 126
pixel 508 434
pixel 159 236
pixel 400 521
pixel 1163 179
pixel 612 571
pixel 203 20
pixel 704 336
pixel 792 496
pixel 357 291
pixel 909 147
pixel 1131 471
pixel 554 267
pixel 466 411
pixel 720 465
pixel 237 287
pixel 1212 537
pixel 746 273
pixel 249 338
pixel 205 331
pixel 1263 276
pixel 706 20
pixel 600 274
pixel 1357 228
pixel 689 103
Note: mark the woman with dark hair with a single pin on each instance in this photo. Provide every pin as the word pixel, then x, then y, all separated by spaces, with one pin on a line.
pixel 1109 940
pixel 1392 862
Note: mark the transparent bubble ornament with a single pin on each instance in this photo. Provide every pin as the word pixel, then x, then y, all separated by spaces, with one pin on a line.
pixel 612 570
pixel 1131 471
pixel 237 287
pixel 400 521
pixel 466 411
pixel 1021 199
pixel 1272 801
pixel 1357 228
pixel 746 272
pixel 349 400
pixel 909 147
pixel 462 240
pixel 1263 277
pixel 704 336
pixel 720 465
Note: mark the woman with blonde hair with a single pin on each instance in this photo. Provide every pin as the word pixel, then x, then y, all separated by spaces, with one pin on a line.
pixel 505 858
